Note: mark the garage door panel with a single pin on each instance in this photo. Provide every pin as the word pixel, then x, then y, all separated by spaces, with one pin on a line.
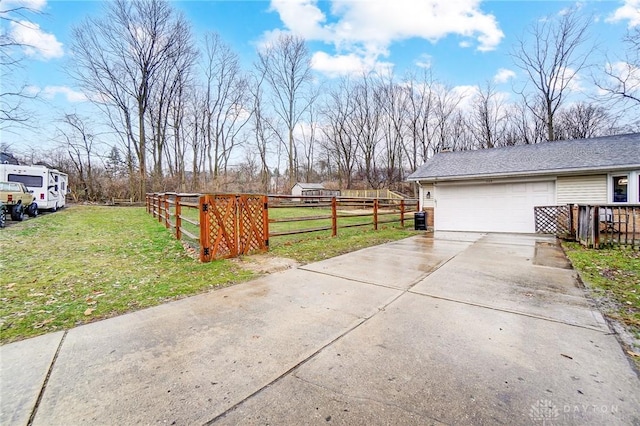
pixel 500 207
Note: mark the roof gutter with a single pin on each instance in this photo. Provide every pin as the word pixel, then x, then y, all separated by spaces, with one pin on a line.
pixel 527 173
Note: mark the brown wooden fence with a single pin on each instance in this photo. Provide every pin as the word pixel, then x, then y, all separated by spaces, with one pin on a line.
pixel 316 214
pixel 608 225
pixel 593 226
pixel 220 225
pixel 228 225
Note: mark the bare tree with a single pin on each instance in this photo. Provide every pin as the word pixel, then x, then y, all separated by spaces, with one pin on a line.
pixel 488 118
pixel 309 140
pixel 523 127
pixel 394 99
pixel 445 105
pixel 13 92
pixel 552 57
pixel 286 66
pixel 583 120
pixel 622 78
pixel 78 139
pixel 227 94
pixel 419 115
pixel 166 108
pixel 339 142
pixel 261 128
pixel 364 126
pixel 118 58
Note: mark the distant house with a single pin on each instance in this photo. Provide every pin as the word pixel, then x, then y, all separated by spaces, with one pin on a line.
pixel 313 190
pixel 495 190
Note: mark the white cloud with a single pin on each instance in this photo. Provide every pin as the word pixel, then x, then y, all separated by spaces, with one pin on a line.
pixel 424 61
pixel 50 92
pixel 337 65
pixel 503 75
pixel 368 28
pixel 36 42
pixel 629 10
pixel 30 4
pixel 349 64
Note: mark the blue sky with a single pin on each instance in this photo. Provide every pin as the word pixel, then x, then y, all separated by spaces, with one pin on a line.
pixel 465 42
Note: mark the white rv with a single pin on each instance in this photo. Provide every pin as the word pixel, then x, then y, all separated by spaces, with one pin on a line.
pixel 49 186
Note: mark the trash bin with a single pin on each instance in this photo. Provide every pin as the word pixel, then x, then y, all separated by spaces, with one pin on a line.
pixel 420 221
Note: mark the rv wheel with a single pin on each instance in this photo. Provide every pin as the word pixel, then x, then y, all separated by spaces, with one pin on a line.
pixel 32 210
pixel 17 213
pixel 55 208
pixel 3 218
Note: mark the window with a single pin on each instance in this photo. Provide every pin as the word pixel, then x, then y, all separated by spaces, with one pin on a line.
pixel 624 187
pixel 620 189
pixel 32 181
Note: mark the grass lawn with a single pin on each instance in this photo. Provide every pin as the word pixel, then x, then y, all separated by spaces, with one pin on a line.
pixel 86 263
pixel 613 277
pixel 316 246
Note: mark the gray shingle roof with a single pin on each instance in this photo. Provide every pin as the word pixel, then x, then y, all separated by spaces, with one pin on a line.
pixel 305 185
pixel 588 155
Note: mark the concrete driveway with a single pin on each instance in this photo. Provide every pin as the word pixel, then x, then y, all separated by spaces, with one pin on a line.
pixel 451 329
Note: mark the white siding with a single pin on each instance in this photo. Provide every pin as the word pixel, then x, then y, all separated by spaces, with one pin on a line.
pixel 581 189
pixel 424 201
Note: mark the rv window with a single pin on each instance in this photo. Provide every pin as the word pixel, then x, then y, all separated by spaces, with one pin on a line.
pixel 55 178
pixel 28 180
pixel 63 186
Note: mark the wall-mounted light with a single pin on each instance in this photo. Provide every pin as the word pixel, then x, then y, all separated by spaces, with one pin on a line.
pixel 428 195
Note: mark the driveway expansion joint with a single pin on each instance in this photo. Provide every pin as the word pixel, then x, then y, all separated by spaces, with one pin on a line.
pixel 32 416
pixel 511 311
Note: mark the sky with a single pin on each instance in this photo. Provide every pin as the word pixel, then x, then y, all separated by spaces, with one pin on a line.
pixel 465 43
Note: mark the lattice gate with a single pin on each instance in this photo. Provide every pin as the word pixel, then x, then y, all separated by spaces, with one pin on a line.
pixel 553 220
pixel 231 225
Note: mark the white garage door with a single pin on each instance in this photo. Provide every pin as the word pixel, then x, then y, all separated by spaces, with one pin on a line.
pixel 500 207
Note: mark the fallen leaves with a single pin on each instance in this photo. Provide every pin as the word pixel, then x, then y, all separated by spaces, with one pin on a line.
pixel 89 311
pixel 43 323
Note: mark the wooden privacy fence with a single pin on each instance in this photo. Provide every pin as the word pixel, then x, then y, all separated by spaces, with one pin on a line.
pixel 591 225
pixel 608 225
pixel 229 225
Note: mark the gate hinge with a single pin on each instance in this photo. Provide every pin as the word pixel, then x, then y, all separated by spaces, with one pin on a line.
pixel 205 250
pixel 266 206
pixel 266 243
pixel 205 207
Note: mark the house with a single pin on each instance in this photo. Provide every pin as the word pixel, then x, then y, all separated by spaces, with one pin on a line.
pixel 495 190
pixel 313 190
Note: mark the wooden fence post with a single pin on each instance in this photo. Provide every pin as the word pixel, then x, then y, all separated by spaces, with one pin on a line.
pixel 167 212
pixel 204 231
pixel 572 230
pixel 160 207
pixel 402 213
pixel 595 223
pixel 375 214
pixel 334 217
pixel 265 220
pixel 178 218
